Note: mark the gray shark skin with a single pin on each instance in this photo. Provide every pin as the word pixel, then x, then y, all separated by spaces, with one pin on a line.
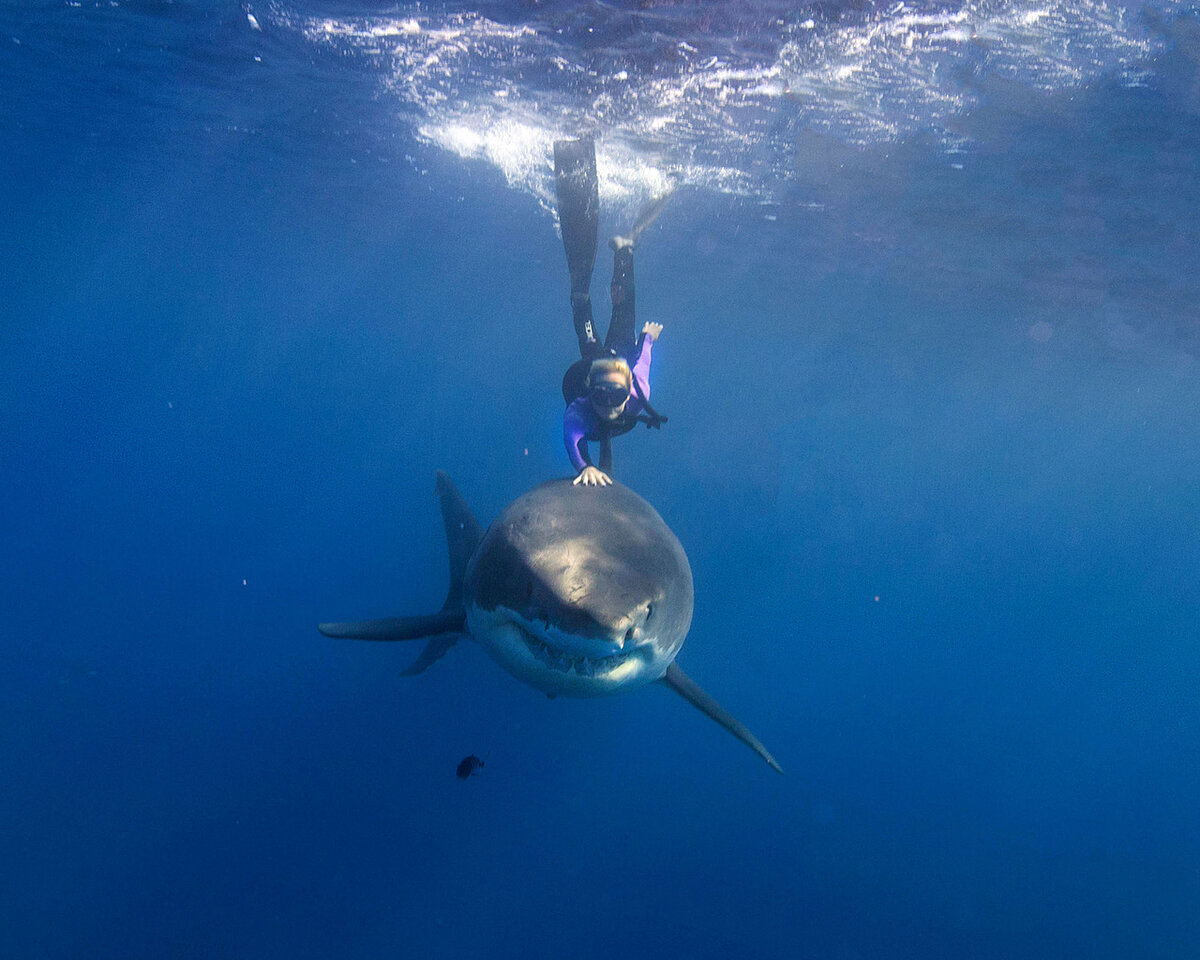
pixel 576 591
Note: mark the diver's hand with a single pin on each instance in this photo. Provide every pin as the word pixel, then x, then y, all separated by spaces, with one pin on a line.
pixel 652 330
pixel 593 477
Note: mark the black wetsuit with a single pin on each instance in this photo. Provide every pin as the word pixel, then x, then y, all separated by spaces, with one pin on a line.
pixel 620 340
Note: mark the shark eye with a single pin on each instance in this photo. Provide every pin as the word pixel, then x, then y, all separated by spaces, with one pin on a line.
pixel 649 611
pixel 629 635
pixel 528 590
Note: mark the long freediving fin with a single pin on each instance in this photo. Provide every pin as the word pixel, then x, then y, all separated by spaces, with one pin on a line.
pixel 691 691
pixel 649 212
pixel 462 537
pixel 578 193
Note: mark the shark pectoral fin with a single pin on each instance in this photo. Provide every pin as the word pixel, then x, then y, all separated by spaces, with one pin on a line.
pixel 399 628
pixel 434 650
pixel 687 688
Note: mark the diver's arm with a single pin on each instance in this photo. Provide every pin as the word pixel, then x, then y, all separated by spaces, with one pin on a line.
pixel 641 369
pixel 575 438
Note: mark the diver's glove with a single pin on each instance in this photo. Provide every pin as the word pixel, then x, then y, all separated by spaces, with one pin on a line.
pixel 593 477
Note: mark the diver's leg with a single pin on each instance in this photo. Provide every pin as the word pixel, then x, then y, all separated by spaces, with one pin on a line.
pixel 585 326
pixel 578 194
pixel 622 331
pixel 622 338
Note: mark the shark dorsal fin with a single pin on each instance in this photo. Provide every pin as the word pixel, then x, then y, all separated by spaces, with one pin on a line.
pixel 441 629
pixel 462 537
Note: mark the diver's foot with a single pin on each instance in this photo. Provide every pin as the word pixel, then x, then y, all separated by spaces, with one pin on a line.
pixel 620 243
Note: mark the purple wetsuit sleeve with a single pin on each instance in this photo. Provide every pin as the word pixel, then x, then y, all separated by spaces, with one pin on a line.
pixel 641 369
pixel 575 436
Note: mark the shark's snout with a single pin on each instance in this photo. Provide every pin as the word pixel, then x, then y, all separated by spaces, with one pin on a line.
pixel 599 623
pixel 582 633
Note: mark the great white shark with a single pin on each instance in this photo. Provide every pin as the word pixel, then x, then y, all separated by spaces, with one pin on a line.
pixel 579 591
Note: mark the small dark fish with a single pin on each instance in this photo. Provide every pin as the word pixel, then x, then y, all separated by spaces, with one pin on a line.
pixel 468 766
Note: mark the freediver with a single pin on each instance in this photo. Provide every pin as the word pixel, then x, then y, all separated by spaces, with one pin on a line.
pixel 607 391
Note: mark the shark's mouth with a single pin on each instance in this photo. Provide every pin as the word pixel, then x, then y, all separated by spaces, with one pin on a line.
pixel 571 663
pixel 537 639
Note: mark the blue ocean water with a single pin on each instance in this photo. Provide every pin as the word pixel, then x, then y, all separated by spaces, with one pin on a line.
pixel 929 292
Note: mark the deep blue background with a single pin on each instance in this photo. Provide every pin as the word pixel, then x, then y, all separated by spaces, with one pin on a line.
pixel 946 569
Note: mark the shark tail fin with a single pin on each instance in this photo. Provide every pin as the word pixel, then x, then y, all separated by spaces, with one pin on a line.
pixel 441 628
pixel 691 691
